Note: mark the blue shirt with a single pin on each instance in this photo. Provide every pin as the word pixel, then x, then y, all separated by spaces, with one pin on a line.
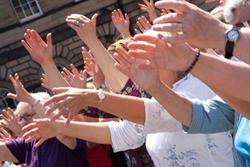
pixel 214 116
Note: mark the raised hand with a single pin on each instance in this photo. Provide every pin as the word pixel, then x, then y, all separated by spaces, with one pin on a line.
pixel 10 121
pixel 92 68
pixel 121 22
pixel 85 27
pixel 75 78
pixel 160 54
pixel 45 82
pixel 143 24
pixel 149 7
pixel 130 67
pixel 190 24
pixel 70 101
pixel 40 51
pixel 21 92
pixel 40 130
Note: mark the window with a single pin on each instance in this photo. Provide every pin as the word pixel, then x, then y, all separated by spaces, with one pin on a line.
pixel 4 101
pixel 26 9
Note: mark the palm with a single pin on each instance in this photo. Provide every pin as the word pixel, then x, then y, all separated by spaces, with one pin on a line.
pixel 39 50
pixel 144 78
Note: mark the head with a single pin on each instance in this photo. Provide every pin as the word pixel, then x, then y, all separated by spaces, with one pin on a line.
pixel 25 112
pixel 237 11
pixel 120 43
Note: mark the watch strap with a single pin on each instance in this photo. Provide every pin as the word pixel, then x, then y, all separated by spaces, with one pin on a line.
pixel 229 49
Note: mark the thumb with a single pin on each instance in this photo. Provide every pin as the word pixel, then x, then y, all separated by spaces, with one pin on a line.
pixel 94 18
pixel 49 40
pixel 60 89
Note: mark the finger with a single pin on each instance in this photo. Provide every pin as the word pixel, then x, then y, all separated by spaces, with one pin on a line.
pixel 146 38
pixel 93 19
pixel 12 96
pixel 4 133
pixel 26 46
pixel 126 17
pixel 75 70
pixel 121 60
pixel 169 18
pixel 140 54
pixel 28 127
pixel 73 25
pixel 31 42
pixel 146 2
pixel 39 142
pixel 137 31
pixel 123 69
pixel 140 26
pixel 142 7
pixel 37 38
pixel 167 27
pixel 57 115
pixel 30 134
pixel 70 117
pixel 141 45
pixel 55 98
pixel 178 6
pixel 49 40
pixel 120 14
pixel 122 52
pixel 68 73
pixel 173 39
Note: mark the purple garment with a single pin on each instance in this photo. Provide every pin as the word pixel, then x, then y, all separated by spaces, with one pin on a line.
pixel 52 153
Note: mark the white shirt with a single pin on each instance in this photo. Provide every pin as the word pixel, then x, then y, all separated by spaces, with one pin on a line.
pixel 171 147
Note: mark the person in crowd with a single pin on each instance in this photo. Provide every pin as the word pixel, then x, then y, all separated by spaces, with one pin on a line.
pixel 125 135
pixel 59 151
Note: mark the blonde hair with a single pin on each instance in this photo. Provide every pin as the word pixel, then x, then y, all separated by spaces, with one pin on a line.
pixel 119 43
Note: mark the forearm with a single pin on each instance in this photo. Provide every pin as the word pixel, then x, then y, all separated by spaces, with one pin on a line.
pixel 5 154
pixel 84 131
pixel 221 74
pixel 114 77
pixel 179 107
pixel 119 105
pixel 53 74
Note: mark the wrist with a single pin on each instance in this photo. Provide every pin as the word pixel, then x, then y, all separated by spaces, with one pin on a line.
pixel 220 40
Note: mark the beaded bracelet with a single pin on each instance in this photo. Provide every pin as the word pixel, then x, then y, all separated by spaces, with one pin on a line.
pixel 197 56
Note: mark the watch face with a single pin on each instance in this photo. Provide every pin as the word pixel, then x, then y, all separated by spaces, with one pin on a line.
pixel 233 35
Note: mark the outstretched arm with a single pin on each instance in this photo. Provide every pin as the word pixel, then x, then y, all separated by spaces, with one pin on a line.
pixel 86 29
pixel 42 53
pixel 24 96
pixel 5 154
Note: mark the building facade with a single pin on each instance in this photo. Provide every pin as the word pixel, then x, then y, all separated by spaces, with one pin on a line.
pixel 49 16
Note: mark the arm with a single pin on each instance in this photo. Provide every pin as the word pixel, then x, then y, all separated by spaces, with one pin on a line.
pixel 5 154
pixel 87 32
pixel 42 53
pixel 23 95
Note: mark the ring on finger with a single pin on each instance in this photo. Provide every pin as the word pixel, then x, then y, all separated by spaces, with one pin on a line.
pixel 179 27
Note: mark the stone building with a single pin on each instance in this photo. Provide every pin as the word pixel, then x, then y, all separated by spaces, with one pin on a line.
pixel 49 16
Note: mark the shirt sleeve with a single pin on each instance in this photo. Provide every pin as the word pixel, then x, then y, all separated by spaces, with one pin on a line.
pixel 18 148
pixel 157 119
pixel 211 116
pixel 126 135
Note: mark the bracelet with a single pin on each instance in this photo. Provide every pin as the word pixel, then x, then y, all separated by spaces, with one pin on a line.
pixel 197 56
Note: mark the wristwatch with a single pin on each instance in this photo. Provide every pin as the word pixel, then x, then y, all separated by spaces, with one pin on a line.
pixel 101 94
pixel 232 35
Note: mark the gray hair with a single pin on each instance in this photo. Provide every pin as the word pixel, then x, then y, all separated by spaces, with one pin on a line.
pixel 232 4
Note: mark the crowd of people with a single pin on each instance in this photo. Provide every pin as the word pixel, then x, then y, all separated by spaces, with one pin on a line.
pixel 173 93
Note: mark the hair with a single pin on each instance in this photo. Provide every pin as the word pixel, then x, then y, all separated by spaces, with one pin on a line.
pixel 42 96
pixel 120 43
pixel 231 5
